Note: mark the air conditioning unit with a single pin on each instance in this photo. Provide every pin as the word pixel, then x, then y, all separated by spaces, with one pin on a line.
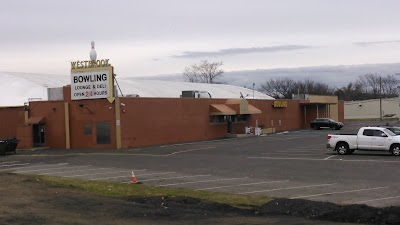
pixel 195 94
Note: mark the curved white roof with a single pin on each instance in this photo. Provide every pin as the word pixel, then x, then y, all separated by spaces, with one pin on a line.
pixel 172 89
pixel 17 88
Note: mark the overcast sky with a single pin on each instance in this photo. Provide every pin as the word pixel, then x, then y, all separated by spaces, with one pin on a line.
pixel 149 37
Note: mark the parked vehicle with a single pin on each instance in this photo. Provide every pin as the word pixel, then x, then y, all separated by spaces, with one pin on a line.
pixel 318 123
pixel 367 138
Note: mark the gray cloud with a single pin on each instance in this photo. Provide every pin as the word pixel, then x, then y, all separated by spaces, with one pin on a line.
pixel 240 51
pixel 368 43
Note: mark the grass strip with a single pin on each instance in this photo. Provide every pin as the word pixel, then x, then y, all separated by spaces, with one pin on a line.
pixel 141 190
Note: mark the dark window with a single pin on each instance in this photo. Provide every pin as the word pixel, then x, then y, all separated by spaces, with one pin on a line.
pixel 240 118
pixel 87 129
pixel 378 133
pixel 218 119
pixel 368 133
pixel 103 135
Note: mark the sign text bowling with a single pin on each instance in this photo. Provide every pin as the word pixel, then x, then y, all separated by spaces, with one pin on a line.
pixel 90 85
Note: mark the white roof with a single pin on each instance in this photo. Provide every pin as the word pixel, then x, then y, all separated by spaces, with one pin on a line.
pixel 18 88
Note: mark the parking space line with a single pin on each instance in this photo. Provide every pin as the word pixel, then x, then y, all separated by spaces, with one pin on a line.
pixel 329 157
pixel 288 188
pixel 369 160
pixel 262 157
pixel 189 150
pixel 9 162
pixel 149 174
pixel 199 142
pixel 105 178
pixel 166 178
pixel 294 150
pixel 275 153
pixel 203 181
pixel 237 185
pixel 89 174
pixel 20 164
pixel 23 166
pixel 377 199
pixel 339 192
pixel 60 164
pixel 313 159
pixel 68 171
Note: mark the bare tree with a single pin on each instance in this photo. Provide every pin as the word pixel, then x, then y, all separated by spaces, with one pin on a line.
pixel 375 86
pixel 389 85
pixel 351 92
pixel 204 72
pixel 285 87
pixel 279 87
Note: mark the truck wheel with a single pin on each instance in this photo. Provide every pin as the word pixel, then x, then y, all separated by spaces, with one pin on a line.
pixel 342 149
pixel 395 150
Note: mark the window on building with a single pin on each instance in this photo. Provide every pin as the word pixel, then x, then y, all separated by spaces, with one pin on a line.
pixel 218 119
pixel 240 118
pixel 103 135
pixel 87 129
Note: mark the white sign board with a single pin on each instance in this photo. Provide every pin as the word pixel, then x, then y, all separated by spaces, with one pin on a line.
pixel 90 85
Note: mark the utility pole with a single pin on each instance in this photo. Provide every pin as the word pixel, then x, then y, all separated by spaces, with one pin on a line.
pixel 380 98
pixel 253 89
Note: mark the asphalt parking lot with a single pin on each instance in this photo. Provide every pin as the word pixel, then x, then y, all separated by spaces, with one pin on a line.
pixel 292 165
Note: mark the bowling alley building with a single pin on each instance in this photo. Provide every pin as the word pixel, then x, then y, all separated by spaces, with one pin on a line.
pixel 91 113
pixel 130 122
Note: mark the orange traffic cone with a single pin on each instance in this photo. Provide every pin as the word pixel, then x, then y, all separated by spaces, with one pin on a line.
pixel 134 180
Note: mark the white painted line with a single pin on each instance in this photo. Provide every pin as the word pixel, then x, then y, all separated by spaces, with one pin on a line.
pixel 199 142
pixel 89 174
pixel 9 162
pixel 189 150
pixel 147 174
pixel 366 160
pixel 203 181
pixel 284 158
pixel 21 164
pixel 60 164
pixel 237 185
pixel 68 171
pixel 275 153
pixel 106 178
pixel 329 157
pixel 311 159
pixel 377 199
pixel 166 178
pixel 23 167
pixel 297 187
pixel 339 192
pixel 293 151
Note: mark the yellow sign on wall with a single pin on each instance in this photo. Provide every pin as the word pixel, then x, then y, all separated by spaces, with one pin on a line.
pixel 280 104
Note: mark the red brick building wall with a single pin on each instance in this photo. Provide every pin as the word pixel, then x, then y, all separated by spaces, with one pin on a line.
pixel 10 118
pixel 146 121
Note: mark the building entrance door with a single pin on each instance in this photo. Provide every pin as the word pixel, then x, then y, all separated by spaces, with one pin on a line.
pixel 229 119
pixel 38 135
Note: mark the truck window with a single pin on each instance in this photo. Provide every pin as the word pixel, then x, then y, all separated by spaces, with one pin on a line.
pixel 368 132
pixel 389 132
pixel 378 133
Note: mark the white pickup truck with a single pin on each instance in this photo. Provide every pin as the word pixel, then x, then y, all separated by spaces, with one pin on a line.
pixel 367 138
